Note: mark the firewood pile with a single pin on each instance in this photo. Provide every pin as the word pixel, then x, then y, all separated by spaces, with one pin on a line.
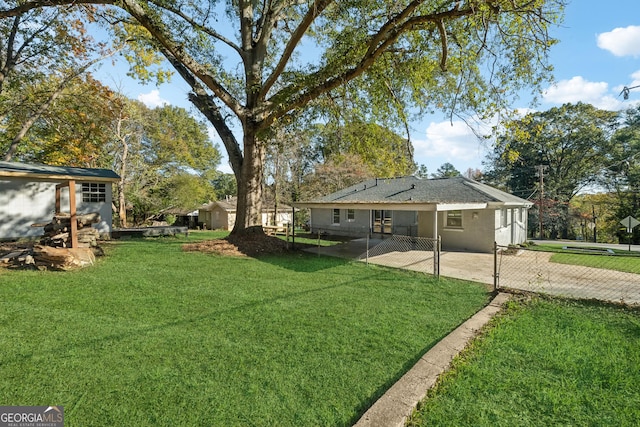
pixel 57 232
pixel 49 258
pixel 54 251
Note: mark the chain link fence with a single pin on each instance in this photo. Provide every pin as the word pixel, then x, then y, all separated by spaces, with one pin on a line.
pixel 411 253
pixel 581 273
pixel 575 272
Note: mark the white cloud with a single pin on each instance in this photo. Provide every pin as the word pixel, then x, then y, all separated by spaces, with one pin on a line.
pixel 621 41
pixel 577 89
pixel 152 99
pixel 452 142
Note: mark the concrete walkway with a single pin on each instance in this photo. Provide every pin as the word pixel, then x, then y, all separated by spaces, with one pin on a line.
pixel 398 403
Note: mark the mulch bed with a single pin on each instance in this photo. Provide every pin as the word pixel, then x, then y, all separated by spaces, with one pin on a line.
pixel 250 245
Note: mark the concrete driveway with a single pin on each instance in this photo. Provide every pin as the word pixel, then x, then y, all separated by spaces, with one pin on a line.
pixel 525 270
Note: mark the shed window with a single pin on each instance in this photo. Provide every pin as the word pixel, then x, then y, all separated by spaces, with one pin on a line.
pixel 351 214
pixel 336 216
pixel 454 219
pixel 94 192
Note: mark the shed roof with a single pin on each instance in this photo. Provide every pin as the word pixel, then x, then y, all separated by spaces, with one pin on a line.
pixel 411 190
pixel 56 173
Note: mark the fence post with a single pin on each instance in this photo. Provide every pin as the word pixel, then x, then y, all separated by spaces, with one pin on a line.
pixel 436 258
pixel 367 258
pixel 495 266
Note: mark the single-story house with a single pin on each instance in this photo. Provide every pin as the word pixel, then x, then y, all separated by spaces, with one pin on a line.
pixel 466 214
pixel 221 214
pixel 28 196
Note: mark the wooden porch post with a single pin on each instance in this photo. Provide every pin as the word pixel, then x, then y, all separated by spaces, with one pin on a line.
pixel 73 232
pixel 57 199
pixel 435 224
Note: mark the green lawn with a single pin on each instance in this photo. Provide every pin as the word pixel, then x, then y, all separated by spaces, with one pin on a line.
pixel 625 261
pixel 545 363
pixel 628 264
pixel 154 336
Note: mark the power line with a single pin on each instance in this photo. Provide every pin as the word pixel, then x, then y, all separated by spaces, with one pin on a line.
pixel 625 91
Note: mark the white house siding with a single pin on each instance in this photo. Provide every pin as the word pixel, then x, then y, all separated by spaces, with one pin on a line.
pixel 476 233
pixel 405 223
pixel 322 222
pixel 24 202
pixel 514 231
pixel 519 226
pixel 503 230
pixel 282 218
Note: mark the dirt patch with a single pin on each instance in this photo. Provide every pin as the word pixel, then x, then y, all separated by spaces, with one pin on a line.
pixel 250 245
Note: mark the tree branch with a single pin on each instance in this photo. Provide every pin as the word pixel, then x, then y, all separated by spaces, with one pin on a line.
pixel 198 26
pixel 39 4
pixel 377 45
pixel 161 35
pixel 314 11
pixel 28 124
pixel 207 106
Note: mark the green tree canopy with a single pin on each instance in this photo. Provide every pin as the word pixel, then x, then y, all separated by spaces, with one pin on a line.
pixel 568 145
pixel 275 58
pixel 446 170
pixel 385 153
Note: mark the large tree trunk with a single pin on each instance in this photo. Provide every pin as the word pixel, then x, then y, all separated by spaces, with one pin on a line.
pixel 250 186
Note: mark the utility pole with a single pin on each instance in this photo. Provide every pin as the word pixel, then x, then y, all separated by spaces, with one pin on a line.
pixel 540 174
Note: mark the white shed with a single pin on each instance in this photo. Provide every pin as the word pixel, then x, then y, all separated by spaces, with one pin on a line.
pixel 28 196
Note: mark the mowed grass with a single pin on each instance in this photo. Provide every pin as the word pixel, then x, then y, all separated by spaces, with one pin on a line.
pixel 621 260
pixel 627 264
pixel 547 362
pixel 154 336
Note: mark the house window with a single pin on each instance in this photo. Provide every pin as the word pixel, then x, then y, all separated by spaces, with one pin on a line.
pixel 503 218
pixel 351 215
pixel 454 219
pixel 336 216
pixel 94 192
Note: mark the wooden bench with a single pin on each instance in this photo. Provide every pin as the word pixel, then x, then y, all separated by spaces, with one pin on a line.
pixel 275 229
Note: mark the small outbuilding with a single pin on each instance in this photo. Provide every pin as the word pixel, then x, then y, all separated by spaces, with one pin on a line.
pixel 28 196
pixel 466 214
pixel 221 214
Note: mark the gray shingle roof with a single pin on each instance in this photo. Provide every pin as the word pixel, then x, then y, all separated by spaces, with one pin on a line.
pixel 42 171
pixel 415 190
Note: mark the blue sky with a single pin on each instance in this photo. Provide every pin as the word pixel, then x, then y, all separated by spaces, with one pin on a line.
pixel 598 54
